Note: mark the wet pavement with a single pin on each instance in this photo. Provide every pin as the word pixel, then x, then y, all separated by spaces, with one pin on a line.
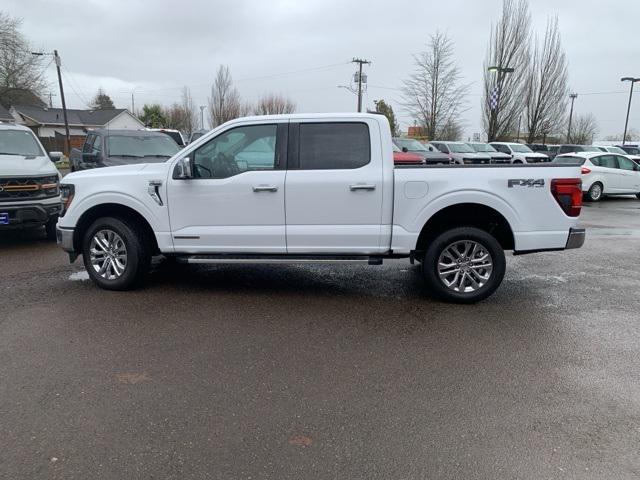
pixel 324 371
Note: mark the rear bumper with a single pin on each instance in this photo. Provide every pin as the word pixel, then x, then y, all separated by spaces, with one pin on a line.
pixel 576 238
pixel 29 215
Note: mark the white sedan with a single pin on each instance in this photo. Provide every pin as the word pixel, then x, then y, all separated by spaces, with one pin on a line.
pixel 605 173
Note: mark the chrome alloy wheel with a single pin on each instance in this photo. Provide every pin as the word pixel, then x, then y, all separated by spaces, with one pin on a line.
pixel 465 266
pixel 596 191
pixel 108 254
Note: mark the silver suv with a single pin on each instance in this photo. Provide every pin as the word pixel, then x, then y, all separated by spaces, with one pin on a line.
pixel 462 153
pixel 29 182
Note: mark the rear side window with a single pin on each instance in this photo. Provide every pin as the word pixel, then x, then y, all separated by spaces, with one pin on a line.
pixel 325 146
pixel 608 161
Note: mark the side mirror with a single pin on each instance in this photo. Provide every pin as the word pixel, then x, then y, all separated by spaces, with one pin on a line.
pixel 55 156
pixel 89 157
pixel 405 149
pixel 183 169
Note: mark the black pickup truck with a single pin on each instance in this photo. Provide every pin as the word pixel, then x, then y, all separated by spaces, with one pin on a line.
pixel 108 148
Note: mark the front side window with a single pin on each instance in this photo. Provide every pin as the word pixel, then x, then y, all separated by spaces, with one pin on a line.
pixel 235 151
pixel 96 148
pixel 330 146
pixel 625 163
pixel 19 142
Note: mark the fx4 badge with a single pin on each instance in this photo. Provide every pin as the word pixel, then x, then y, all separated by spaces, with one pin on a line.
pixel 526 182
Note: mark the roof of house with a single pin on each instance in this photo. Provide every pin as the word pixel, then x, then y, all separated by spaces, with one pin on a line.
pixel 54 116
pixel 4 114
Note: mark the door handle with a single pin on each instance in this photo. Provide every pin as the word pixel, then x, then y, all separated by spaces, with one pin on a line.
pixel 361 186
pixel 265 188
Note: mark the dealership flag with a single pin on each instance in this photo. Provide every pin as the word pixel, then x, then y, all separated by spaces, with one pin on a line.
pixel 493 98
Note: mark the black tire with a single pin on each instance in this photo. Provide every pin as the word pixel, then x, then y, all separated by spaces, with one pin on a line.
pixel 138 253
pixel 50 228
pixel 449 239
pixel 595 192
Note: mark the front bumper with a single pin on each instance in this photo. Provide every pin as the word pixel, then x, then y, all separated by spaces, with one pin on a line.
pixel 576 238
pixel 29 215
pixel 64 237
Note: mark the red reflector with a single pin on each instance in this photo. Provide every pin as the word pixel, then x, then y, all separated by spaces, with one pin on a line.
pixel 585 170
pixel 568 194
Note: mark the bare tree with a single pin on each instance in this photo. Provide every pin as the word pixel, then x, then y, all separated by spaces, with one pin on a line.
pixel 545 90
pixel 508 49
pixel 274 104
pixel 433 93
pixel 20 71
pixel 182 116
pixel 225 103
pixel 584 128
pixel 632 135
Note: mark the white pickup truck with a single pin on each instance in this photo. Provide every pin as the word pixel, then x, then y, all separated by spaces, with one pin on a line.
pixel 316 188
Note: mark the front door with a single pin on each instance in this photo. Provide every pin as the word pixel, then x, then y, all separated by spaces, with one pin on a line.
pixel 628 175
pixel 235 201
pixel 334 188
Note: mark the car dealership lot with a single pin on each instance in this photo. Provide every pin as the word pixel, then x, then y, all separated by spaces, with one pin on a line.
pixel 324 371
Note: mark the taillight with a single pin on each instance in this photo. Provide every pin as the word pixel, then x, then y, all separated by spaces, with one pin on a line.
pixel 585 170
pixel 568 194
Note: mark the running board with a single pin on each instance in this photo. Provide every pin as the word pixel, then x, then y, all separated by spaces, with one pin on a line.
pixel 275 259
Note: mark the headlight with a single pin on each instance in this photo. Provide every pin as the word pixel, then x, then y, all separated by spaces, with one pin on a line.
pixel 67 191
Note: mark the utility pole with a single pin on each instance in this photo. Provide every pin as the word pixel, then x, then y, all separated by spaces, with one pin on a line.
pixel 572 96
pixel 133 106
pixel 64 104
pixel 56 57
pixel 360 62
pixel 626 122
pixel 202 107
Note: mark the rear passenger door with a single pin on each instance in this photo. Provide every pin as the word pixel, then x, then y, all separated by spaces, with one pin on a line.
pixel 333 198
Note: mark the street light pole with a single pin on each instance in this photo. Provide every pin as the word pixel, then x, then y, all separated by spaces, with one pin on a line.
pixel 493 121
pixel 572 96
pixel 626 122
pixel 202 107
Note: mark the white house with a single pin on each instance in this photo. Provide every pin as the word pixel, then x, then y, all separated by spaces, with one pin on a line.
pixel 46 122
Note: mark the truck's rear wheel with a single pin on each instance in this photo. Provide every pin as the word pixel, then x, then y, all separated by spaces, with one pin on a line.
pixel 116 253
pixel 464 265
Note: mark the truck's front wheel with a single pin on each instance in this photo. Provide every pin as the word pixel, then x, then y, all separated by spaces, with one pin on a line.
pixel 464 265
pixel 115 253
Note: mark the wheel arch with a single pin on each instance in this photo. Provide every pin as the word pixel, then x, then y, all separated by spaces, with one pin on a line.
pixel 115 210
pixel 467 214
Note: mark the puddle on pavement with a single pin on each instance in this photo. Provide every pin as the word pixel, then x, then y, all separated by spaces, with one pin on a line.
pixel 79 276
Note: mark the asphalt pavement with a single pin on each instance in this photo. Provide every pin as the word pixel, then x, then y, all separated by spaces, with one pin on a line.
pixel 324 372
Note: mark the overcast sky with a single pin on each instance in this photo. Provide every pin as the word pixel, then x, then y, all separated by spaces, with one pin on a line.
pixel 301 48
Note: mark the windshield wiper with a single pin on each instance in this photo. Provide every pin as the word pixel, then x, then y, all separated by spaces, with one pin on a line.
pixel 154 155
pixel 17 154
pixel 126 155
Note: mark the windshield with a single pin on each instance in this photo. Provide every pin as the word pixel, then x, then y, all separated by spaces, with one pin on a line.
pixel 616 150
pixel 141 146
pixel 482 147
pixel 175 135
pixel 518 147
pixel 588 148
pixel 411 145
pixel 19 142
pixel 460 148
